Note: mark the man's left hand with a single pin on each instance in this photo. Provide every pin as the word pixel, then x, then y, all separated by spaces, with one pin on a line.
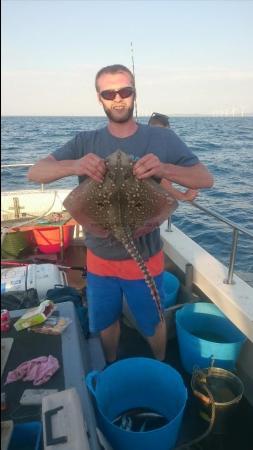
pixel 148 166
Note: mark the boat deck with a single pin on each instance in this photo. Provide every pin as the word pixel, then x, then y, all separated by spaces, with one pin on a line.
pixel 28 345
pixel 239 428
pixel 238 433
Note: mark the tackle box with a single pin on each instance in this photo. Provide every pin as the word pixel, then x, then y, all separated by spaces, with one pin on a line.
pixel 64 426
pixel 38 276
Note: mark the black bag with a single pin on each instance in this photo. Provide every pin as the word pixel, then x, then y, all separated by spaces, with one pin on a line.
pixel 18 300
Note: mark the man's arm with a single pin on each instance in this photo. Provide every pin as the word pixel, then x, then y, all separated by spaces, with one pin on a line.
pixel 188 196
pixel 193 177
pixel 49 169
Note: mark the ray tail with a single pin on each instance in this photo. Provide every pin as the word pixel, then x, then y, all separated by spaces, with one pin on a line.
pixel 130 247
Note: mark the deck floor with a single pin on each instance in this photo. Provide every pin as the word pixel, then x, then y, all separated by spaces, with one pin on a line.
pixel 75 256
pixel 239 431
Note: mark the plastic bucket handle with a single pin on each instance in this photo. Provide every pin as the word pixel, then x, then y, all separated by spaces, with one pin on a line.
pixel 90 379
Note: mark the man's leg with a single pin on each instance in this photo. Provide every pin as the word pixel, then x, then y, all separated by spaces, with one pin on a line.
pixel 105 306
pixel 158 341
pixel 110 340
pixel 144 310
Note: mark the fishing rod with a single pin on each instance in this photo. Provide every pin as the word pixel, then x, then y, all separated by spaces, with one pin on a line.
pixel 135 101
pixel 27 262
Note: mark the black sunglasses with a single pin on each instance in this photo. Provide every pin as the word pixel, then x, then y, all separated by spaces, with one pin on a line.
pixel 124 92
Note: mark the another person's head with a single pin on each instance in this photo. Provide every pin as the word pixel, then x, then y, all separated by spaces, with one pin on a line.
pixel 159 120
pixel 116 92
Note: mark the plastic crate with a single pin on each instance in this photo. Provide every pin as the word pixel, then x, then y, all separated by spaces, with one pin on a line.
pixel 14 243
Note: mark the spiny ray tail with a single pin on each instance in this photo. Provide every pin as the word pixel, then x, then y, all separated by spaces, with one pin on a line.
pixel 128 243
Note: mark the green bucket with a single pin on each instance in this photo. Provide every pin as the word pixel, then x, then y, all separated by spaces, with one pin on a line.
pixel 14 243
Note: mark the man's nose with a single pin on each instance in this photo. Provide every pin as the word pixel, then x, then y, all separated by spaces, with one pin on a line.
pixel 118 97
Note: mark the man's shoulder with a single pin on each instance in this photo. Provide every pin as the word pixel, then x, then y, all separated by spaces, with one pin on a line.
pixel 163 134
pixel 90 134
pixel 162 131
pixel 79 145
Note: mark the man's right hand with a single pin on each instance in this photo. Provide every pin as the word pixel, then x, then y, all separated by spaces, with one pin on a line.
pixel 49 169
pixel 91 165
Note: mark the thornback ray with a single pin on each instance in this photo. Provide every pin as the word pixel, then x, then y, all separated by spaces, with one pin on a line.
pixel 122 206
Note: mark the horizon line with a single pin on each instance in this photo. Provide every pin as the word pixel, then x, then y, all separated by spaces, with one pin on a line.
pixel 144 116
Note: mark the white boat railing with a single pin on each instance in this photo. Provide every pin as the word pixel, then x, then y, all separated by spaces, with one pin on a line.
pixel 7 166
pixel 235 227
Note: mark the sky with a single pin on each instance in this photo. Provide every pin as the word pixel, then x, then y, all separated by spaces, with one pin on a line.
pixel 190 56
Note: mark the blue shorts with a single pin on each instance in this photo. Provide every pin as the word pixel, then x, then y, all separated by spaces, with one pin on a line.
pixel 105 302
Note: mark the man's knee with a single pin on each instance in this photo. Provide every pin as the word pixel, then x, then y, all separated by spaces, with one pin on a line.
pixel 158 341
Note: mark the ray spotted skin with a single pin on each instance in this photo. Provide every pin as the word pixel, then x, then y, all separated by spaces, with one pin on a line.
pixel 128 243
pixel 123 207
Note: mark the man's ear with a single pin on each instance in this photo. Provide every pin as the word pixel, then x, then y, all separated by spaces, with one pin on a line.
pixel 99 98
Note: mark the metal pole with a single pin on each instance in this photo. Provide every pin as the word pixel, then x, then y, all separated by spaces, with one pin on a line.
pixel 169 224
pixel 222 219
pixel 229 280
pixel 189 278
pixel 135 102
pixel 61 241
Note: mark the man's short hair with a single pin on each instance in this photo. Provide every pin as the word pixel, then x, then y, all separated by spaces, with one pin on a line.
pixel 115 68
pixel 159 119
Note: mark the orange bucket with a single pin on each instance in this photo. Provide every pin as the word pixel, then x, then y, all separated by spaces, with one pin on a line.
pixel 48 238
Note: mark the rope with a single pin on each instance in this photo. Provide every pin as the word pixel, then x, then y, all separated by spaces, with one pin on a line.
pixel 212 419
pixel 31 220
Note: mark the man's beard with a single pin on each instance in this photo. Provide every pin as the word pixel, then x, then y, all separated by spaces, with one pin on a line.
pixel 117 118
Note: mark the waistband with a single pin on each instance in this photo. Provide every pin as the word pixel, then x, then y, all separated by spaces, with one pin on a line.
pixel 126 269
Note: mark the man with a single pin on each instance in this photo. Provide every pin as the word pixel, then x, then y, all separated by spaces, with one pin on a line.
pixel 158 152
pixel 161 120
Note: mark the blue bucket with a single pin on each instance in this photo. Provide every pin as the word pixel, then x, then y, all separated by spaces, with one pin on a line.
pixel 205 335
pixel 139 383
pixel 170 287
pixel 26 436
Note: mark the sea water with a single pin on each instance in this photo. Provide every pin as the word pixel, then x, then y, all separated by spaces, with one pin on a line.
pixel 224 144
